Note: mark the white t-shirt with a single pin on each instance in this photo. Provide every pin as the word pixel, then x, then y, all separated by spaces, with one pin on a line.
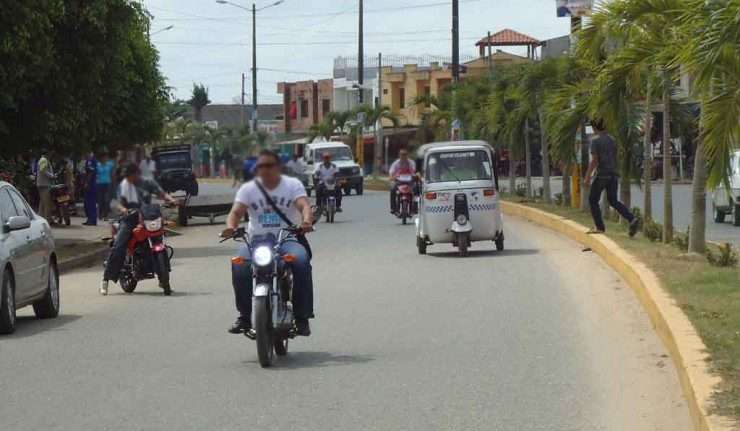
pixel 296 166
pixel 399 167
pixel 262 218
pixel 147 168
pixel 324 173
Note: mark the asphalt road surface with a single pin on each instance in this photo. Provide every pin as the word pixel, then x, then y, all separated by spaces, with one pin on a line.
pixel 542 336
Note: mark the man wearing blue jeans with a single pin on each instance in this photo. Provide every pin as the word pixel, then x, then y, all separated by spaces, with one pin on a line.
pixel 604 162
pixel 288 197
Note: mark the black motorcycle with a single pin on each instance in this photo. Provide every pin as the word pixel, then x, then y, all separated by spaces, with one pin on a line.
pixel 273 322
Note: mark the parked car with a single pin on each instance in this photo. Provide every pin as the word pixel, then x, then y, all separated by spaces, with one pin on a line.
pixel 175 169
pixel 727 202
pixel 28 262
pixel 350 173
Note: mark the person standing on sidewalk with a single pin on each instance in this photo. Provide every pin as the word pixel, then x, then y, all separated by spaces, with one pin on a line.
pixel 604 163
pixel 91 210
pixel 44 177
pixel 148 168
pixel 103 181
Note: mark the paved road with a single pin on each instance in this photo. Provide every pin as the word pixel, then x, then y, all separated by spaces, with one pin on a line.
pixel 721 232
pixel 542 336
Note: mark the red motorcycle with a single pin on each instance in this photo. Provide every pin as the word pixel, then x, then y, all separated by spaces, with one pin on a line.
pixel 63 203
pixel 407 207
pixel 148 254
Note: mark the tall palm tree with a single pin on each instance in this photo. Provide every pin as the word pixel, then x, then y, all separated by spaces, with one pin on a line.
pixel 198 101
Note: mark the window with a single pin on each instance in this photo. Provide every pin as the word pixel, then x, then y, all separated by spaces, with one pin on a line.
pixel 402 97
pixel 337 153
pixel 7 209
pixel 325 106
pixel 20 205
pixel 458 166
pixel 304 108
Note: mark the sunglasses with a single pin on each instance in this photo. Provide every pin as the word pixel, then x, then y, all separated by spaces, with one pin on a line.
pixel 266 165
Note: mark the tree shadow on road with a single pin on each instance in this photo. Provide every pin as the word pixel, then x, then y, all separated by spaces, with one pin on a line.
pixel 28 326
pixel 486 253
pixel 298 360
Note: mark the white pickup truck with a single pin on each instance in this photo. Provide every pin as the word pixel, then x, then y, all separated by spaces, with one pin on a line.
pixel 727 202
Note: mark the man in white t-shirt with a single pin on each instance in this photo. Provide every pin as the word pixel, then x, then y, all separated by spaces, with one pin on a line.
pixel 327 171
pixel 148 168
pixel 290 197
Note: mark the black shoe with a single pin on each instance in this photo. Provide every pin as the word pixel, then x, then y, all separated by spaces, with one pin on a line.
pixel 339 210
pixel 241 324
pixel 302 327
pixel 634 225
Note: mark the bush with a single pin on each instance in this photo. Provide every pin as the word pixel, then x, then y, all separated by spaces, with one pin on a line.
pixel 681 240
pixel 725 257
pixel 652 230
pixel 558 199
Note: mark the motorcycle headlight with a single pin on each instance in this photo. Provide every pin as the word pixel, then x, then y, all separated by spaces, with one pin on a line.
pixel 462 219
pixel 262 256
pixel 153 225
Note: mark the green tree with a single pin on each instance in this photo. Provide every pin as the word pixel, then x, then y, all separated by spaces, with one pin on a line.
pixel 198 101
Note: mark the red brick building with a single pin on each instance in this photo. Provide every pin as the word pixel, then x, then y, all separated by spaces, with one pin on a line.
pixel 305 103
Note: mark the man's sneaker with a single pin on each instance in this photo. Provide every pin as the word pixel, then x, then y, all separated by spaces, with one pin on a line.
pixel 634 225
pixel 104 287
pixel 302 327
pixel 241 324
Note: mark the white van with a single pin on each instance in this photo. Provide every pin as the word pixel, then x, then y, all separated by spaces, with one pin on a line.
pixel 350 173
pixel 727 202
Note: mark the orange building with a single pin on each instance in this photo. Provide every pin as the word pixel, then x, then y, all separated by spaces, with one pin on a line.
pixel 305 103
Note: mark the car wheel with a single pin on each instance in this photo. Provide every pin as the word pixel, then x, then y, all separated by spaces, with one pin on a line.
pixel 7 304
pixel 48 306
pixel 194 189
pixel 359 189
pixel 718 215
pixel 736 219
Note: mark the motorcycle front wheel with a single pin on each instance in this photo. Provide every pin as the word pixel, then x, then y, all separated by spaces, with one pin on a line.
pixel 263 327
pixel 163 274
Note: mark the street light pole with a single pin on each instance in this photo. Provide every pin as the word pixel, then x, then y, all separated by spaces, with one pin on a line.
pixel 455 41
pixel 361 57
pixel 255 115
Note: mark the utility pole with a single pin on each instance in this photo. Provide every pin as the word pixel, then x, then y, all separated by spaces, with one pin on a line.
pixel 455 41
pixel 361 56
pixel 244 78
pixel 379 135
pixel 255 115
pixel 490 59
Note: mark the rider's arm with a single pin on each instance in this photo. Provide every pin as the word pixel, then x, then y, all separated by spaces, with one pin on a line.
pixel 236 215
pixel 304 206
pixel 392 171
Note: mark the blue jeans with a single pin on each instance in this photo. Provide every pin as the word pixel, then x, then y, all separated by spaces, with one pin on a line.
pixel 611 185
pixel 241 278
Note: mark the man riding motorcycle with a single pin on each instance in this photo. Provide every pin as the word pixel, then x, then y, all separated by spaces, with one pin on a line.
pixel 402 166
pixel 272 200
pixel 324 172
pixel 133 192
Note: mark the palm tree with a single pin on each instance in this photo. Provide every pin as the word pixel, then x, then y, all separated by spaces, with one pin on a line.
pixel 340 120
pixel 374 115
pixel 198 101
pixel 324 129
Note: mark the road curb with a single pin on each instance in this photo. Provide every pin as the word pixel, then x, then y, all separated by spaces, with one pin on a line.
pixel 85 259
pixel 686 348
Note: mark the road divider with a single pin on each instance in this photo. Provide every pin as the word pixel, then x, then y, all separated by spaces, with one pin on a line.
pixel 686 348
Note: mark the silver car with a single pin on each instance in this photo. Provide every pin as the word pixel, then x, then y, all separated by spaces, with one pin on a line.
pixel 28 262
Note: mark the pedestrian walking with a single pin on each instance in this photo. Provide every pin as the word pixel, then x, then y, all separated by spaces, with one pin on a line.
pixel 44 177
pixel 604 164
pixel 103 184
pixel 148 168
pixel 91 195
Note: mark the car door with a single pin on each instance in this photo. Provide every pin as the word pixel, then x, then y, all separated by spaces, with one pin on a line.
pixel 39 236
pixel 20 249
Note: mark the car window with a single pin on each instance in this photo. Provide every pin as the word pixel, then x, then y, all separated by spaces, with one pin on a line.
pixel 21 206
pixel 7 209
pixel 458 166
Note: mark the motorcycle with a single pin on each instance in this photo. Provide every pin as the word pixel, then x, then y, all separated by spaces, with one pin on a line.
pixel 405 197
pixel 273 321
pixel 328 203
pixel 63 203
pixel 148 254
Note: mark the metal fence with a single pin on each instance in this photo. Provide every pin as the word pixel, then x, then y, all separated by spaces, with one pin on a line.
pixel 346 67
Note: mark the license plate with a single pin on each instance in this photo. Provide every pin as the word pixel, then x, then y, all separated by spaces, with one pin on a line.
pixel 63 199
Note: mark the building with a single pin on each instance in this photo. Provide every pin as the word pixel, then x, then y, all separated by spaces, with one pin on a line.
pixel 401 86
pixel 305 103
pixel 347 85
pixel 556 47
pixel 232 116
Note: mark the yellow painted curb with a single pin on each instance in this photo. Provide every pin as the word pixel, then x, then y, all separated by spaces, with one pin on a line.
pixel 687 350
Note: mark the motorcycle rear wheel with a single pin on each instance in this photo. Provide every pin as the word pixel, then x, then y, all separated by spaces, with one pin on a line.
pixel 65 216
pixel 263 327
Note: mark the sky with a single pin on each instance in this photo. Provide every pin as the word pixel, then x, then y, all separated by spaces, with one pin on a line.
pixel 210 43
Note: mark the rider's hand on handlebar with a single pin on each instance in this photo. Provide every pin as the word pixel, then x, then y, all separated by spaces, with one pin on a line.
pixel 306 226
pixel 227 233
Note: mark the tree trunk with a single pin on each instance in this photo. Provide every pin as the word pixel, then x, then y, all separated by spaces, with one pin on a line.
pixel 667 166
pixel 528 159
pixel 378 150
pixel 697 234
pixel 647 163
pixel 566 184
pixel 545 161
